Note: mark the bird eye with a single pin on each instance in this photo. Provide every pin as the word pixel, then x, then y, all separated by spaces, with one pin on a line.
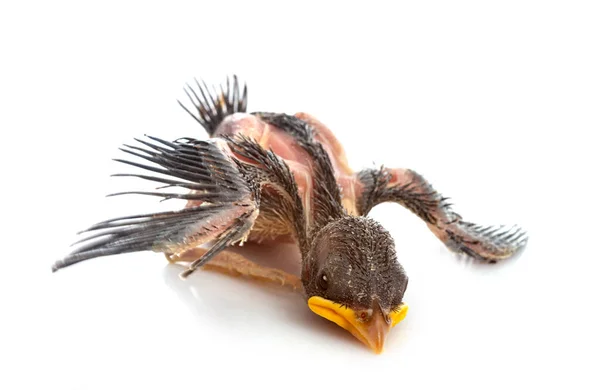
pixel 323 281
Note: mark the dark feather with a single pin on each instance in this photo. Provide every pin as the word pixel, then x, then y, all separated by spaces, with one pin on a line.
pixel 202 167
pixel 326 196
pixel 212 106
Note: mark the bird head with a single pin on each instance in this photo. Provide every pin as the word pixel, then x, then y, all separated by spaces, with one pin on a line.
pixel 352 277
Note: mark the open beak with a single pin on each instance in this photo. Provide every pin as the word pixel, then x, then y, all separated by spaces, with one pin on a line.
pixel 370 331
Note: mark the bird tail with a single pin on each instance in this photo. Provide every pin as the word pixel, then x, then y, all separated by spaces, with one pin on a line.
pixel 212 105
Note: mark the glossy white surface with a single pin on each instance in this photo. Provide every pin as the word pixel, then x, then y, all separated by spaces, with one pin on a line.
pixel 496 105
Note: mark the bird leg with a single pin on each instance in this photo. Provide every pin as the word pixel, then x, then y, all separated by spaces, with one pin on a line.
pixel 237 265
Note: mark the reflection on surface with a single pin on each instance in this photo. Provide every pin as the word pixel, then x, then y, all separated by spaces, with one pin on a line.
pixel 246 305
pixel 478 267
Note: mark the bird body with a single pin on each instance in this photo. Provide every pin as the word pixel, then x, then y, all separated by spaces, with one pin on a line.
pixel 271 178
pixel 287 147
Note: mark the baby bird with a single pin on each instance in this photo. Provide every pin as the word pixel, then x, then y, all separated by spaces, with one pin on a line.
pixel 270 178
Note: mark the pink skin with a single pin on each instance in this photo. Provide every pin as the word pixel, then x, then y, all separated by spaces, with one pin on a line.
pixel 285 146
pixel 460 237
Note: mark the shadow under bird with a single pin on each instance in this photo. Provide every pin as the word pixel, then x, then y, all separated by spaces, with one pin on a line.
pixel 271 178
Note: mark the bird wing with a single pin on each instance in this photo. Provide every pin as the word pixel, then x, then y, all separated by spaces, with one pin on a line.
pixel 411 190
pixel 223 199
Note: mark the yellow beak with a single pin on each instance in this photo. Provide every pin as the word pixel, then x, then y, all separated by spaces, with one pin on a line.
pixel 370 331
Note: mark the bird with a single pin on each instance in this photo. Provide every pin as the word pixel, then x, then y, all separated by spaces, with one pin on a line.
pixel 271 178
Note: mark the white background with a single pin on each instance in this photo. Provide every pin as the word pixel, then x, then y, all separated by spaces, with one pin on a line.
pixel 496 104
